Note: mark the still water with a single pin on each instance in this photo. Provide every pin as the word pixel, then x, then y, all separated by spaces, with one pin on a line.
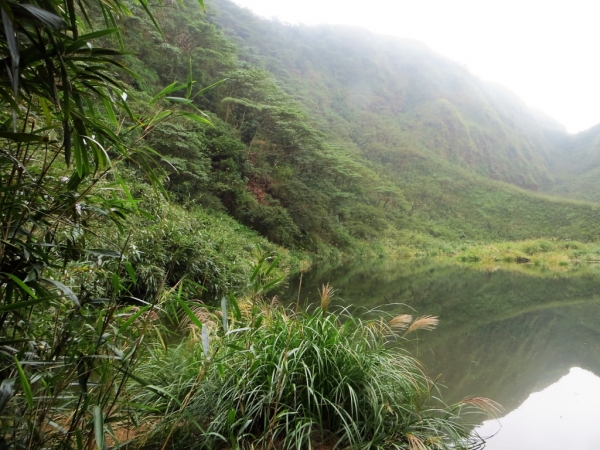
pixel 527 338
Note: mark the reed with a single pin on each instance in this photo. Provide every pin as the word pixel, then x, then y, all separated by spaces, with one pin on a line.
pixel 283 380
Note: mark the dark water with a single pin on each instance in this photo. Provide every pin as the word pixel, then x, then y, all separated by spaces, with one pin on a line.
pixel 530 341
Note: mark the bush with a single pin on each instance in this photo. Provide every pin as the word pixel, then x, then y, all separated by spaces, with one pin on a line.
pixel 295 380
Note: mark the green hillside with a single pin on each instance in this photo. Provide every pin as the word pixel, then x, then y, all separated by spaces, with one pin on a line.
pixel 380 92
pixel 162 168
pixel 323 137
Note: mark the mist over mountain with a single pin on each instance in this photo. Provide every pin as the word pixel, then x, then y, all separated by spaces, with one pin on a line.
pixel 380 93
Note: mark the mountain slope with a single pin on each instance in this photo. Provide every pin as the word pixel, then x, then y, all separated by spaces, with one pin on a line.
pixel 327 137
pixel 379 92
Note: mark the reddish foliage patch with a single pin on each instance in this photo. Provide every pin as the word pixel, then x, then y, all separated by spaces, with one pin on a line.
pixel 258 188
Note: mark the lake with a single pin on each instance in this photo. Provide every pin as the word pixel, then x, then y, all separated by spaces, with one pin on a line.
pixel 526 337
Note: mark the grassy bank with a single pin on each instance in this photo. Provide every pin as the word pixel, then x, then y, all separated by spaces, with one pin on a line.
pixel 273 378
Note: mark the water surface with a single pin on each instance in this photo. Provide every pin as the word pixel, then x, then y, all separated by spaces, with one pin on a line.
pixel 518 336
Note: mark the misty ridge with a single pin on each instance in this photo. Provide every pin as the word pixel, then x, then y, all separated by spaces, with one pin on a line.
pixel 373 92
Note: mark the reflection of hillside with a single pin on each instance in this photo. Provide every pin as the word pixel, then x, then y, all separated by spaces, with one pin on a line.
pixel 506 360
pixel 502 335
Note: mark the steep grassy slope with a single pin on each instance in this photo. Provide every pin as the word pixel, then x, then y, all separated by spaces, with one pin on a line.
pixel 346 135
pixel 576 165
pixel 382 92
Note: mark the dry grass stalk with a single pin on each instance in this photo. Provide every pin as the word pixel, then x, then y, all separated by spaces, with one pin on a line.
pixel 491 407
pixel 414 443
pixel 423 323
pixel 275 303
pixel 327 293
pixel 400 322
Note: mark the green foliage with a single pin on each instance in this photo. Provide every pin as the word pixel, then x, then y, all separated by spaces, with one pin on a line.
pixel 297 381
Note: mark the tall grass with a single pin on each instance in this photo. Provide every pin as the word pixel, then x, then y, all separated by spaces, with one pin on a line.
pixel 287 380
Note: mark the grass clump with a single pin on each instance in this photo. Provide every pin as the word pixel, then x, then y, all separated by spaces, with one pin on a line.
pixel 284 380
pixel 548 252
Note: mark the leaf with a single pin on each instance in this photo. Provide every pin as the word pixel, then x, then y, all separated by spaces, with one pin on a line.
pixel 224 311
pixel 196 117
pixel 46 17
pixel 25 384
pixel 7 391
pixel 109 111
pixel 21 137
pixel 13 48
pixel 132 319
pixel 20 284
pixel 97 34
pixel 46 111
pixel 236 308
pixel 130 271
pixel 21 305
pixel 66 290
pixel 104 252
pixel 268 286
pixel 99 427
pixel 205 341
pixel 144 4
pixel 116 282
pixel 272 266
pixel 175 86
pixel 210 87
pixel 190 82
pixel 185 101
pixel 190 313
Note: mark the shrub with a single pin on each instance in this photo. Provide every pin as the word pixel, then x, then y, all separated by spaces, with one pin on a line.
pixel 293 380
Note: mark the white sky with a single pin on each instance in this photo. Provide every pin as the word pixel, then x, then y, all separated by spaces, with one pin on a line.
pixel 547 52
pixel 562 416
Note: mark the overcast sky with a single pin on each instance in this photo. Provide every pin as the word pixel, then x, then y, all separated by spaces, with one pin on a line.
pixel 547 52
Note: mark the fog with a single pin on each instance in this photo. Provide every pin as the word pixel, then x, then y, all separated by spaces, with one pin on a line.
pixel 544 51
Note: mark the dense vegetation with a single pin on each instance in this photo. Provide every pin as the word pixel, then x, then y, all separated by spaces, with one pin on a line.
pixel 158 164
pixel 122 206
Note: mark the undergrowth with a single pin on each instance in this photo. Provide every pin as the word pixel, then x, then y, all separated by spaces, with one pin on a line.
pixel 270 377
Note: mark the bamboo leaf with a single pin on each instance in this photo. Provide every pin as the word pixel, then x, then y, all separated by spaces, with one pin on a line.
pixel 236 308
pixel 7 391
pixel 175 86
pixel 133 318
pixel 190 82
pixel 210 87
pixel 144 4
pixel 65 290
pixel 196 117
pixel 190 313
pixel 21 137
pixel 99 427
pixel 185 101
pixel 47 18
pixel 20 284
pixel 24 384
pixel 110 111
pixel 205 342
pixel 21 305
pixel 13 48
pixel 224 312
pixel 130 271
pixel 106 253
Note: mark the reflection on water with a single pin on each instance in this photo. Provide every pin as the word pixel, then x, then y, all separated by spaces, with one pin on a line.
pixel 503 334
pixel 562 416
